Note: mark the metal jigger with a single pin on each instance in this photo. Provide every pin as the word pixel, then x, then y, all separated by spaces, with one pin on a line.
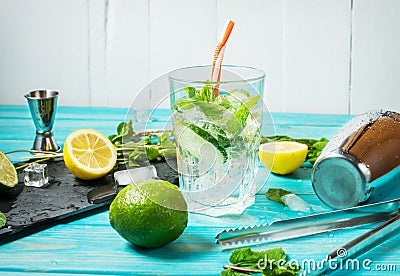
pixel 43 105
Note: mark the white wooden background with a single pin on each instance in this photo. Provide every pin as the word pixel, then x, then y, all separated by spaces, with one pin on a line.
pixel 320 56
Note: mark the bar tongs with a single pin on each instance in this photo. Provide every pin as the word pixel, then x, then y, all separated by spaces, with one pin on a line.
pixel 309 225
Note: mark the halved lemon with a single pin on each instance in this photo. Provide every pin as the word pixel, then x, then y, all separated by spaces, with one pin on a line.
pixel 88 154
pixel 8 173
pixel 282 157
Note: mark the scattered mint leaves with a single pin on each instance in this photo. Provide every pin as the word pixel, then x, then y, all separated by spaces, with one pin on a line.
pixel 268 262
pixel 275 194
pixel 315 147
pixel 3 219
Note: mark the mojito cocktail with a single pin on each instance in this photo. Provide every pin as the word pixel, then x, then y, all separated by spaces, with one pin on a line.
pixel 217 127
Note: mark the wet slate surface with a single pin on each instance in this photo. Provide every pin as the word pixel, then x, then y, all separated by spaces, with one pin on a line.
pixel 30 209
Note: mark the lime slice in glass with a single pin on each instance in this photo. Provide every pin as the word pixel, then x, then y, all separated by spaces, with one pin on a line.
pixel 200 143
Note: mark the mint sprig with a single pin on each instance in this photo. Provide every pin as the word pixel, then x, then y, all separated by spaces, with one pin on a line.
pixel 124 132
pixel 205 94
pixel 136 148
pixel 215 108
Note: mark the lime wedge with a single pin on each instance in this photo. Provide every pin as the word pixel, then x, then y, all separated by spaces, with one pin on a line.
pixel 8 173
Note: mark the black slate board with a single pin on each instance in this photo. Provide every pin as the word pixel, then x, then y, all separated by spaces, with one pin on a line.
pixel 30 209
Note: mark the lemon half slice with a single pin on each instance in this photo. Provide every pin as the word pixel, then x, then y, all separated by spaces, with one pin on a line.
pixel 8 173
pixel 88 154
pixel 282 157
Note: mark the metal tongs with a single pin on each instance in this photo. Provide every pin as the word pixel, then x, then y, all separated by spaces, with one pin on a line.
pixel 387 211
pixel 309 225
pixel 360 245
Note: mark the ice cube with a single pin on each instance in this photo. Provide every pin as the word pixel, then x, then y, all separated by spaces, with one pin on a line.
pixel 295 203
pixel 35 175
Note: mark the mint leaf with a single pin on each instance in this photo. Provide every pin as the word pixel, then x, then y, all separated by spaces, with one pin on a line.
pixel 231 272
pixel 111 137
pixel 3 219
pixel 266 261
pixel 245 257
pixel 190 90
pixel 233 126
pixel 125 130
pixel 224 102
pixel 237 122
pixel 206 93
pixel 242 113
pixel 163 137
pixel 211 110
pixel 252 101
pixel 276 194
pixel 183 104
pixel 152 153
pixel 168 153
pixel 138 154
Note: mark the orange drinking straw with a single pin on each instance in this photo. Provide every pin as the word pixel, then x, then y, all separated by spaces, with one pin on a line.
pixel 219 55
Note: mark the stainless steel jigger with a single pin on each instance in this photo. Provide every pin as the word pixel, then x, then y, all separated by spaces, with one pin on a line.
pixel 43 105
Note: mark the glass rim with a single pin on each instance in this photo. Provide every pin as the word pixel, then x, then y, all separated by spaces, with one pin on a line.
pixel 259 75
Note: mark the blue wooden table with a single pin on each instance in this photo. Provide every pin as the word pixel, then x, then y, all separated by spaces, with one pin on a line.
pixel 91 246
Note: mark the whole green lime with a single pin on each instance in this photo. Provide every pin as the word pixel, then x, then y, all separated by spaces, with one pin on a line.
pixel 149 213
